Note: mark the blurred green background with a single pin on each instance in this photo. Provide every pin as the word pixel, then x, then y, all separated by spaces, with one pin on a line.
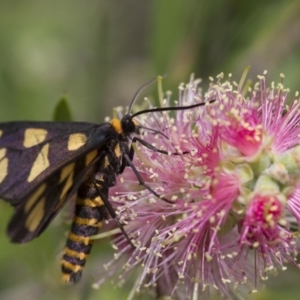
pixel 99 53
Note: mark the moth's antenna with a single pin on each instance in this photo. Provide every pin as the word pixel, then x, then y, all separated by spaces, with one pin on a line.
pixel 138 93
pixel 171 108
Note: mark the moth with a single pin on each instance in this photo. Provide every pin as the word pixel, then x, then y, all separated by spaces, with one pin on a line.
pixel 45 164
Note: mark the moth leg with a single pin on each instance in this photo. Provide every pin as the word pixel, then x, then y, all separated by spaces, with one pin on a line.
pixel 147 145
pixel 151 147
pixel 131 152
pixel 141 180
pixel 112 212
pixel 128 161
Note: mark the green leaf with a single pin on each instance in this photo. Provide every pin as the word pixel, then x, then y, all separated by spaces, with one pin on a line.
pixel 62 111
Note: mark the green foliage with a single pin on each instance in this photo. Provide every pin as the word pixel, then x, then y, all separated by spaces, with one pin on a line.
pixel 62 111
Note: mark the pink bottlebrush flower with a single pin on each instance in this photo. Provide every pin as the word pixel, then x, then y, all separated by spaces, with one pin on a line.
pixel 232 175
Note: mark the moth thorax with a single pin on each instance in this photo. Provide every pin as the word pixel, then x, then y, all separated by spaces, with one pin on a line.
pixel 116 123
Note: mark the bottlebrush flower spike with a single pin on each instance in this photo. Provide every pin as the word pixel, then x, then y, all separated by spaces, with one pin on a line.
pixel 233 175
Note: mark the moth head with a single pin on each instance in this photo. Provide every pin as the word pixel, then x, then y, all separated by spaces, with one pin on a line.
pixel 129 125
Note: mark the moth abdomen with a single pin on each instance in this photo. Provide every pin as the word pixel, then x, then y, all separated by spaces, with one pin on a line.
pixel 89 213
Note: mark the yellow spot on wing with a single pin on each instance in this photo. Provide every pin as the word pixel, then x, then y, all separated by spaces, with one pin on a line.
pixel 34 197
pixel 34 136
pixel 3 164
pixel 65 175
pixel 40 164
pixel 35 216
pixel 66 171
pixel 117 125
pixel 76 141
pixel 89 158
pixel 2 152
pixel 1 132
pixel 67 185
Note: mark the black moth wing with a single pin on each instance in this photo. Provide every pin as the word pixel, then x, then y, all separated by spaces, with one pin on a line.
pixel 41 165
pixel 14 184
pixel 45 203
